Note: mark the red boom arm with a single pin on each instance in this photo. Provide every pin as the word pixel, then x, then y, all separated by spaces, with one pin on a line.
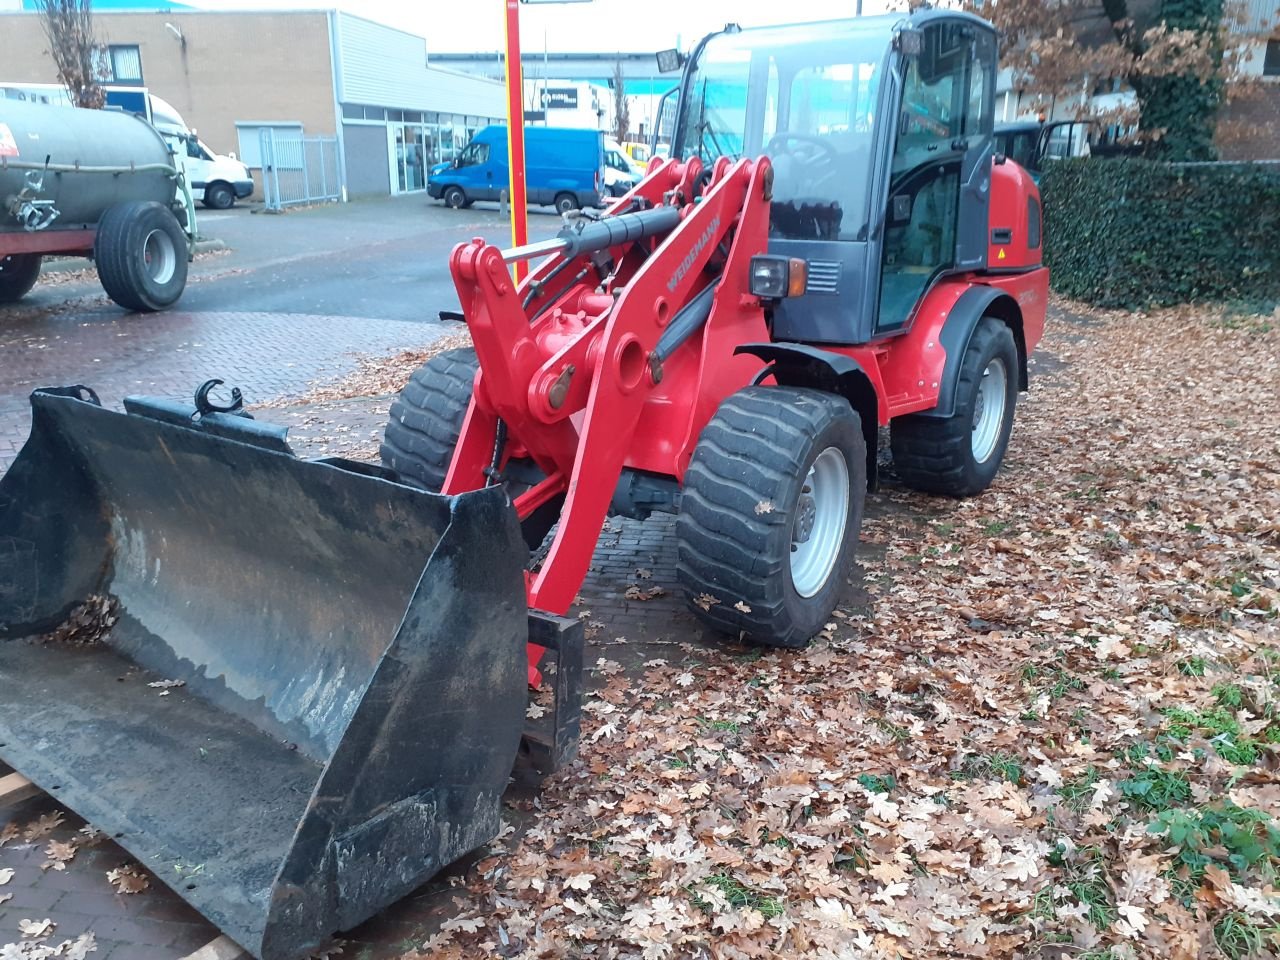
pixel 570 382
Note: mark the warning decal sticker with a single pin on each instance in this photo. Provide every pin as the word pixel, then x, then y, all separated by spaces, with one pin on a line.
pixel 8 145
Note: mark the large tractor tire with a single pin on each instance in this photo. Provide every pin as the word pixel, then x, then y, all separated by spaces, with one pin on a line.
pixel 18 274
pixel 958 456
pixel 427 417
pixel 141 253
pixel 770 513
pixel 426 420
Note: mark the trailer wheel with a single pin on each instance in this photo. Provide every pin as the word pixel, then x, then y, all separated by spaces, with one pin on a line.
pixel 770 513
pixel 959 456
pixel 18 274
pixel 141 253
pixel 566 202
pixel 427 417
pixel 455 198
pixel 219 196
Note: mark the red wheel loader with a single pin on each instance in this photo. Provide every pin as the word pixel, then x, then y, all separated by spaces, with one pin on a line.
pixel 832 247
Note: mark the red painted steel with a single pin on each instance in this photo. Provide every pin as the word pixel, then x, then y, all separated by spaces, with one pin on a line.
pixel 48 241
pixel 1013 194
pixel 573 375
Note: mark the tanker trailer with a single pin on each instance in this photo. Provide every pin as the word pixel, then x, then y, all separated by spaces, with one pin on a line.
pixel 92 183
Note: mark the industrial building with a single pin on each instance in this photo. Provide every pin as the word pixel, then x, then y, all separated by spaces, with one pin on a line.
pixel 319 73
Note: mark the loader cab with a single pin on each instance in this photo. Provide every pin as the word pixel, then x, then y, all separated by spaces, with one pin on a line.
pixel 880 134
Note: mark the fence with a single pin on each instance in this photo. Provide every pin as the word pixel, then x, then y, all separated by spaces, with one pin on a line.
pixel 297 169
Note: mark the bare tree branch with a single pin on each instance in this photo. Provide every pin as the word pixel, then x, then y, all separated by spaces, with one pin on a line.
pixel 621 110
pixel 68 25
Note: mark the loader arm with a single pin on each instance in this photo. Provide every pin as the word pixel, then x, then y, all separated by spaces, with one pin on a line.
pixel 569 375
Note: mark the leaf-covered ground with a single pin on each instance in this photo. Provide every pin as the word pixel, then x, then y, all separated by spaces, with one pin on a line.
pixel 1050 734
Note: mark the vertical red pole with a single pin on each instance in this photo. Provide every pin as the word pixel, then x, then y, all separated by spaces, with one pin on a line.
pixel 515 136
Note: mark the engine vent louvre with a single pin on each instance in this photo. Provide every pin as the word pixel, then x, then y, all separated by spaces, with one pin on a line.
pixel 824 277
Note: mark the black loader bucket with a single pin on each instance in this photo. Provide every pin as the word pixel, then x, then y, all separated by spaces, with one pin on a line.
pixel 292 689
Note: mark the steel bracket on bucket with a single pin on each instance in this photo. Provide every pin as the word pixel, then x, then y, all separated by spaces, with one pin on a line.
pixel 551 741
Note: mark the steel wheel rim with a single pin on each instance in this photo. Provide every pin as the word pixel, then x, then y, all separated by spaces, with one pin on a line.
pixel 821 516
pixel 159 256
pixel 988 410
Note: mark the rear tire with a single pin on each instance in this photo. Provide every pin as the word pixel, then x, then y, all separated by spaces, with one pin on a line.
pixel 960 455
pixel 455 198
pixel 141 253
pixel 219 196
pixel 426 418
pixel 566 202
pixel 18 274
pixel 770 513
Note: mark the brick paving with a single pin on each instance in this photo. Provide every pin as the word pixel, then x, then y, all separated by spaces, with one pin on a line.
pixel 270 355
pixel 170 354
pixel 157 924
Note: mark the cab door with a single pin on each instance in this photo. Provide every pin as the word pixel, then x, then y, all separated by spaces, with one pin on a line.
pixel 940 179
pixel 474 172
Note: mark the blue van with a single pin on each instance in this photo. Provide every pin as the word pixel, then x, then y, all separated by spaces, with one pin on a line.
pixel 564 168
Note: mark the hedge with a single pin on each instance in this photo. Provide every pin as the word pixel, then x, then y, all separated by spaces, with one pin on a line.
pixel 1134 233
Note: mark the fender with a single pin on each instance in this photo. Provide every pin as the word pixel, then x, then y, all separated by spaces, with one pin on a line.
pixel 800 365
pixel 975 303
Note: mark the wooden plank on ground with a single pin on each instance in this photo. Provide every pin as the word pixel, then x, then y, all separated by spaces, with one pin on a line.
pixel 15 788
pixel 224 948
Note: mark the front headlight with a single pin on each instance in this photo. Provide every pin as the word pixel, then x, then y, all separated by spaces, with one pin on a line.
pixel 773 278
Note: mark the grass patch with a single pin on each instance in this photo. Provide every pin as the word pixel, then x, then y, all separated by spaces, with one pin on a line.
pixel 1220 728
pixel 1250 840
pixel 1076 792
pixel 1192 666
pixel 877 783
pixel 1237 938
pixel 1083 874
pixel 740 895
pixel 1228 695
pixel 1156 790
pixel 994 766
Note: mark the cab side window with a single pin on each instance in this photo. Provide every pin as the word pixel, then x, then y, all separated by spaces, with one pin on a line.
pixel 475 153
pixel 944 104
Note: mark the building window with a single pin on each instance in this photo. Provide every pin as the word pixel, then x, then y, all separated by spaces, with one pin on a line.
pixel 119 63
pixel 1271 62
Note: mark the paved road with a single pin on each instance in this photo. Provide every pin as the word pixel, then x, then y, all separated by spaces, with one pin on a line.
pixel 298 296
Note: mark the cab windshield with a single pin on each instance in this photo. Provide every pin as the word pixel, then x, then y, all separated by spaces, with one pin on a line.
pixel 807 98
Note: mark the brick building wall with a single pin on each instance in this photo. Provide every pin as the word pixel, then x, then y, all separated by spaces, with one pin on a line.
pixel 226 66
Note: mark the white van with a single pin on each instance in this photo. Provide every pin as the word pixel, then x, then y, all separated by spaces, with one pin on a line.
pixel 621 173
pixel 216 180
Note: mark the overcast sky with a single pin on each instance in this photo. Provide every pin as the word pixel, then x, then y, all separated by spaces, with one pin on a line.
pixel 599 25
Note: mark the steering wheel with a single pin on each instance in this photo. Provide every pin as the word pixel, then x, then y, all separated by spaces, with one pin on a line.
pixel 815 159
pixel 815 155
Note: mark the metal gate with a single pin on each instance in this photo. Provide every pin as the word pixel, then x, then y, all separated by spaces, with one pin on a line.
pixel 297 169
